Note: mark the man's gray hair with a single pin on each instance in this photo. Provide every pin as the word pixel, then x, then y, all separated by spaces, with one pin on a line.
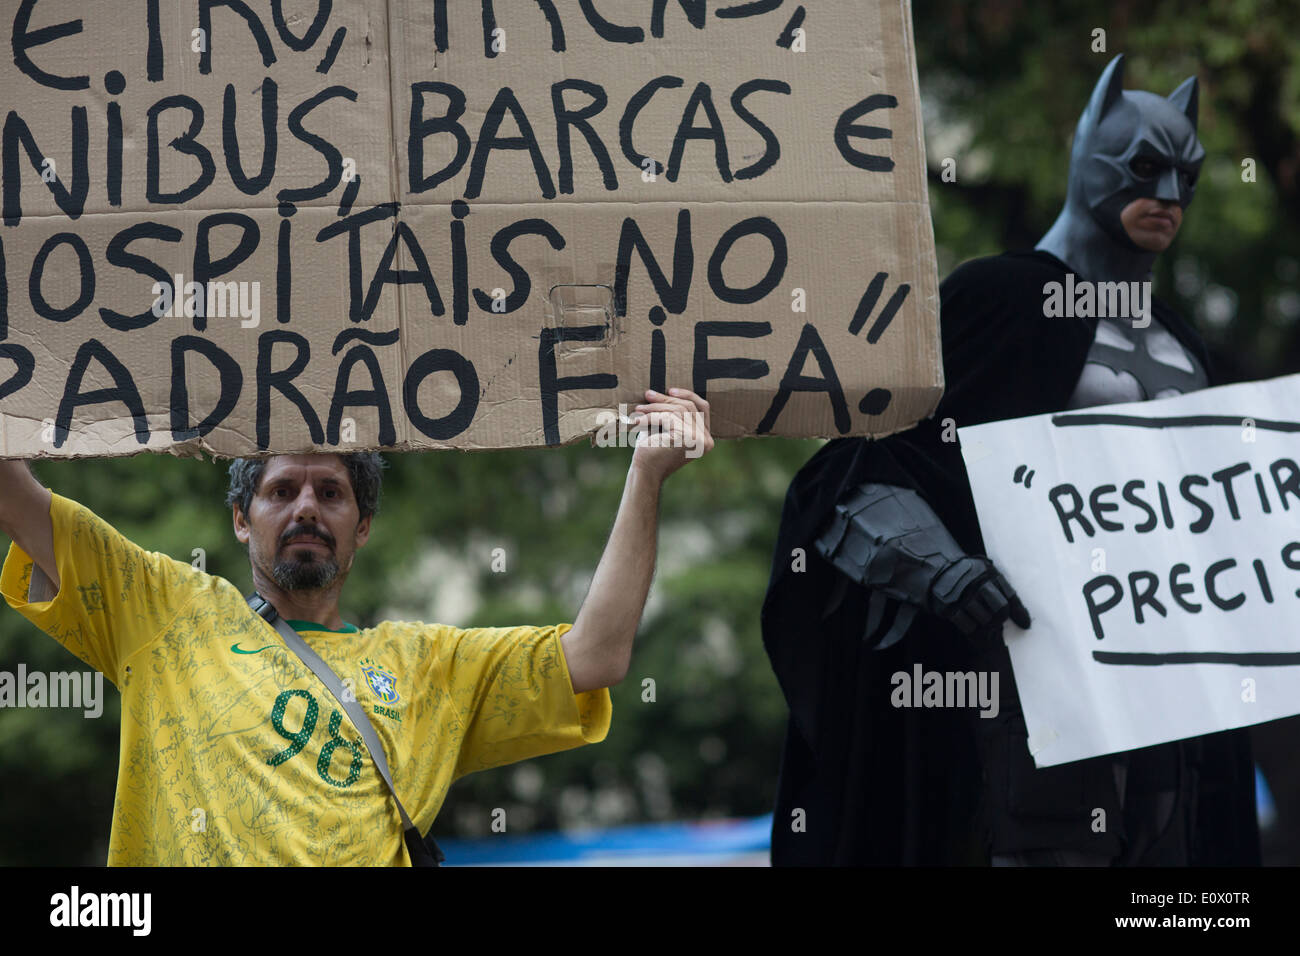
pixel 365 471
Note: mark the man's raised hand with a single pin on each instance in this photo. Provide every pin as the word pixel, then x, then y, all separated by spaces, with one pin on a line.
pixel 673 429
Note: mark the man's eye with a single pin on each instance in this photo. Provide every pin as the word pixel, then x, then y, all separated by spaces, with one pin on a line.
pixel 279 491
pixel 1145 168
pixel 1189 177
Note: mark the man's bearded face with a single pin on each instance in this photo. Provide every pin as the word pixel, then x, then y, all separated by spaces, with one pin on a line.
pixel 303 525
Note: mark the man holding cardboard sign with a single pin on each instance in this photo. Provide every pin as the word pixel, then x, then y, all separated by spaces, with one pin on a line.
pixel 233 753
pixel 415 224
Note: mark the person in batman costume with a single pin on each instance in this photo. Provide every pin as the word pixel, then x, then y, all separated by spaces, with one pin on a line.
pixel 880 566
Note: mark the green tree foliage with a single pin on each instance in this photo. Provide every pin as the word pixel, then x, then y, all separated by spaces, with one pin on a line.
pixel 1003 85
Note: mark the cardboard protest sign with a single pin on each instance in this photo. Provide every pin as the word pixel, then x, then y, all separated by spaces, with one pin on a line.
pixel 1157 547
pixel 243 226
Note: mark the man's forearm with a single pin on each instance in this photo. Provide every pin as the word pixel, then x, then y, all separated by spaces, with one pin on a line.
pixel 599 647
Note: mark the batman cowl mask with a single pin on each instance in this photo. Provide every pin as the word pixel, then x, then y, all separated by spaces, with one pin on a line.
pixel 1129 145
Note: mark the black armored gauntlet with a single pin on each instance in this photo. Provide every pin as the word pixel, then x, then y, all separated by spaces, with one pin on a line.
pixel 890 541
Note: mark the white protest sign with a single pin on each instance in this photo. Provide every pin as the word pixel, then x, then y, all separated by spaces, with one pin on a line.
pixel 1157 547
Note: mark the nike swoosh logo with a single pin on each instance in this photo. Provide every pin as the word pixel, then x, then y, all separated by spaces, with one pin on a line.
pixel 239 650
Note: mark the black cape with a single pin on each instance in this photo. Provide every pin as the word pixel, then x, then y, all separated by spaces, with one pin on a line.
pixel 864 782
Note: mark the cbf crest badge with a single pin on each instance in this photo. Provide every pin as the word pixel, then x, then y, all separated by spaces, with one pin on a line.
pixel 381 681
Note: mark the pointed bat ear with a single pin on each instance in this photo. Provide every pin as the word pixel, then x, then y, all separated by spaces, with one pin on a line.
pixel 1108 89
pixel 1185 98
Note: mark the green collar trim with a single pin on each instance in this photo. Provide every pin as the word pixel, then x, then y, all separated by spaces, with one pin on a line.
pixel 313 626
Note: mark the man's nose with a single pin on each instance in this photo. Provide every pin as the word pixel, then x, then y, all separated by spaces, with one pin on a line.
pixel 1167 186
pixel 306 505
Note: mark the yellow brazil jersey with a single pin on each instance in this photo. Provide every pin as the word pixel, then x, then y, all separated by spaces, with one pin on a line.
pixel 233 753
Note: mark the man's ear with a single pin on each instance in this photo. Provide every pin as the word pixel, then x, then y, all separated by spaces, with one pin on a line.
pixel 363 530
pixel 241 524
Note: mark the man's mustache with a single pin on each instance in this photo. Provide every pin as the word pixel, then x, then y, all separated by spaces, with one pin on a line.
pixel 307 531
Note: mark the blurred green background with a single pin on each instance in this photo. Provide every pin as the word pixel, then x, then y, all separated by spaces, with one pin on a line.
pixel 1002 85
